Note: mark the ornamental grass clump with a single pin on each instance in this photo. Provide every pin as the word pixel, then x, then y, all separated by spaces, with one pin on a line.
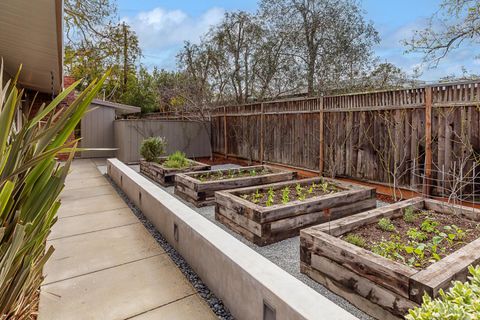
pixel 177 160
pixel 31 180
pixel 462 301
pixel 153 148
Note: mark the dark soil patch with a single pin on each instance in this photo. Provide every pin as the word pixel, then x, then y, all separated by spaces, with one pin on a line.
pixel 306 191
pixel 230 174
pixel 385 198
pixel 398 240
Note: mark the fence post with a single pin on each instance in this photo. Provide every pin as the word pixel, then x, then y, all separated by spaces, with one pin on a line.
pixel 262 134
pixel 225 142
pixel 428 141
pixel 321 138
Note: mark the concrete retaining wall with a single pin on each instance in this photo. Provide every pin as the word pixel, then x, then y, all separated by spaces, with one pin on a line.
pixel 238 275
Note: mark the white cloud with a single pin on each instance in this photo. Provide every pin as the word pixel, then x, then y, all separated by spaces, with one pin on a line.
pixel 159 28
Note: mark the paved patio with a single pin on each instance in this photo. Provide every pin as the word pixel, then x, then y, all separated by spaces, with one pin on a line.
pixel 106 265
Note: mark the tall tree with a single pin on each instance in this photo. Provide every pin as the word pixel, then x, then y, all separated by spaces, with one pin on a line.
pixel 85 20
pixel 96 42
pixel 236 39
pixel 329 39
pixel 457 22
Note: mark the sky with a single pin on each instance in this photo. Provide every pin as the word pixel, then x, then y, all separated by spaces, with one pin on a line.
pixel 163 26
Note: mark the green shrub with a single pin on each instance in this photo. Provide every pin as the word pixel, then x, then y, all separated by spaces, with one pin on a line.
pixel 354 239
pixel 31 180
pixel 177 160
pixel 153 148
pixel 386 224
pixel 462 301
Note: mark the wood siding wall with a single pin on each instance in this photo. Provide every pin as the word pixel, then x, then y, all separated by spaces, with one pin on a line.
pixel 191 137
pixel 97 132
pixel 378 136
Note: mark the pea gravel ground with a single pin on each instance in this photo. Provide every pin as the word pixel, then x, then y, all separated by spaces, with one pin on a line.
pixel 285 253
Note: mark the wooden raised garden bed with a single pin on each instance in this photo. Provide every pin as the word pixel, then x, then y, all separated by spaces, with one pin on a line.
pixel 385 270
pixel 270 213
pixel 165 176
pixel 199 187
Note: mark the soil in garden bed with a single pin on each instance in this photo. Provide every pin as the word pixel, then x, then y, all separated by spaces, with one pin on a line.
pixel 231 174
pixel 289 193
pixel 418 242
pixel 190 164
pixel 385 198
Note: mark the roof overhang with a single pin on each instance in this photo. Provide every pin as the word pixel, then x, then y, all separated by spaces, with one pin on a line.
pixel 119 107
pixel 31 34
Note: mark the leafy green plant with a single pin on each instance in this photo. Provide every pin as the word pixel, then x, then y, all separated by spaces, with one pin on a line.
pixel 153 148
pixel 355 239
pixel 270 197
pixel 256 196
pixel 429 225
pixel 311 188
pixel 409 215
pixel 324 187
pixel 459 233
pixel 299 190
pixel 461 301
pixel 389 249
pixel 417 235
pixel 176 160
pixel 386 224
pixel 253 173
pixel 286 195
pixel 31 180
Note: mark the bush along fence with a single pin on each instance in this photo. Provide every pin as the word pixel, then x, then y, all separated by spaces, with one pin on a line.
pixel 426 138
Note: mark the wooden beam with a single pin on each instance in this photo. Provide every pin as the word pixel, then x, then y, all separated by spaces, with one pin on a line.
pixel 262 133
pixel 225 142
pixel 321 139
pixel 428 141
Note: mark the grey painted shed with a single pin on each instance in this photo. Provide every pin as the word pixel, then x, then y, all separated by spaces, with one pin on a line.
pixel 97 130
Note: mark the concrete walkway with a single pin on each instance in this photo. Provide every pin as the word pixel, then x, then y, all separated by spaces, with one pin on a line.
pixel 106 265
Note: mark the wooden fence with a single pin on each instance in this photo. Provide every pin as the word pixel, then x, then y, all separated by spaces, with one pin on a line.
pixel 410 138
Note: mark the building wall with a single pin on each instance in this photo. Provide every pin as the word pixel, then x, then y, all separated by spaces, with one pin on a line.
pixel 97 132
pixel 191 137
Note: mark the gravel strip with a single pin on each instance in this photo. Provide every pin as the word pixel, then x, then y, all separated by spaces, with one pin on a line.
pixel 215 304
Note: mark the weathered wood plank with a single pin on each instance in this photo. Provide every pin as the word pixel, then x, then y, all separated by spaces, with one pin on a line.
pixel 394 303
pixel 315 204
pixel 309 219
pixel 206 189
pixel 444 207
pixel 358 301
pixel 350 223
pixel 240 220
pixel 166 176
pixel 297 214
pixel 440 274
pixel 387 273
